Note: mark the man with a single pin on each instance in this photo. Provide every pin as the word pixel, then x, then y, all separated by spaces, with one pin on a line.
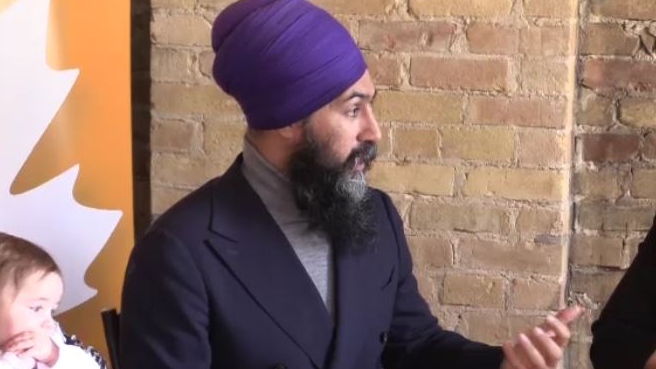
pixel 289 259
pixel 624 336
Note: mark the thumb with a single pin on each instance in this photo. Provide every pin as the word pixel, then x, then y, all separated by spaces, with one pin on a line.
pixel 569 314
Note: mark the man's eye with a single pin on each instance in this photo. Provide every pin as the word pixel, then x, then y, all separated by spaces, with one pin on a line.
pixel 36 309
pixel 353 112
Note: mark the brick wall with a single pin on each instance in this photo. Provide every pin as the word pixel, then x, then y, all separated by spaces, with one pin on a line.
pixel 517 141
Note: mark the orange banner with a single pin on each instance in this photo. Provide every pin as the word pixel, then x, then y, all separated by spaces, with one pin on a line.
pixel 65 145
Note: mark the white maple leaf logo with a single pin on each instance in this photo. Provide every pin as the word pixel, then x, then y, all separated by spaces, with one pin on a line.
pixel 31 93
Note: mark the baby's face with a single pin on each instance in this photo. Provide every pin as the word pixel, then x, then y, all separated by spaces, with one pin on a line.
pixel 31 307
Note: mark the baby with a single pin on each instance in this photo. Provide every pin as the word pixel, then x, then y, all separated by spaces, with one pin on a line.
pixel 30 288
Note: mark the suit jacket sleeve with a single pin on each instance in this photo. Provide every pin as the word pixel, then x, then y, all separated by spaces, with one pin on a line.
pixel 624 336
pixel 415 338
pixel 164 311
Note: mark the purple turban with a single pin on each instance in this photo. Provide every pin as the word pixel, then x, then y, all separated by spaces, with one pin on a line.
pixel 282 59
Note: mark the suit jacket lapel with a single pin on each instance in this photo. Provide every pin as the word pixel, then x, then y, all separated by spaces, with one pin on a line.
pixel 254 248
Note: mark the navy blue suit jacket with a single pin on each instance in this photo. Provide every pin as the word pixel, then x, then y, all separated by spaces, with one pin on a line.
pixel 215 284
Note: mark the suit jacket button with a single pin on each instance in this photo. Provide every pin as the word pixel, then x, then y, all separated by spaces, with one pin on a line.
pixel 383 337
pixel 279 366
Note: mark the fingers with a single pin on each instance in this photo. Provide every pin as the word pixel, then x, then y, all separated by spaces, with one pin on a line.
pixel 549 350
pixel 21 342
pixel 542 347
pixel 569 314
pixel 535 350
pixel 533 355
pixel 560 331
pixel 511 355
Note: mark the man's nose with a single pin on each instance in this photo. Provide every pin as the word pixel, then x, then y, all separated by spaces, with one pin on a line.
pixel 370 129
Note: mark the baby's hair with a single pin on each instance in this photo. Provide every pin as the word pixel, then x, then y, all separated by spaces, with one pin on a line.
pixel 20 258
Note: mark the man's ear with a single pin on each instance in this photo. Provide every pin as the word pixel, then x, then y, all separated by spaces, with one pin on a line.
pixel 293 133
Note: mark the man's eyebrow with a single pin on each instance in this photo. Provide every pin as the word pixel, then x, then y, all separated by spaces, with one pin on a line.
pixel 360 95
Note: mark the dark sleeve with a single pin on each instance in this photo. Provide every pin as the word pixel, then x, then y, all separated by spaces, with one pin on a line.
pixel 416 339
pixel 164 311
pixel 624 336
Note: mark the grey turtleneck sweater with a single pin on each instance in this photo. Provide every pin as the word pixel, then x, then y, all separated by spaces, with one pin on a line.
pixel 312 247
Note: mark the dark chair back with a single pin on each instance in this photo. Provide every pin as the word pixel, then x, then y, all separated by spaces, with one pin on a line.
pixel 110 321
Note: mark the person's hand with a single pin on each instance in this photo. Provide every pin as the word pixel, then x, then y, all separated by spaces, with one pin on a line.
pixel 34 344
pixel 651 363
pixel 541 347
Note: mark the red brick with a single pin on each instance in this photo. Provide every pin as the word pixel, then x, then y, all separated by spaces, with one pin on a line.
pixel 223 141
pixel 456 74
pixel 172 3
pixel 534 294
pixel 515 184
pixel 602 184
pixel 195 99
pixel 178 170
pixel 597 251
pixel 546 76
pixel 644 184
pixel 494 328
pixel 547 41
pixel 487 9
pixel 649 146
pixel 217 4
pixel 188 30
pixel 594 110
pixel 361 7
pixel 608 217
pixel 607 147
pixel 627 9
pixel 487 38
pixel 416 143
pixel 638 112
pixel 619 74
pixel 170 64
pixel 470 218
pixel 597 286
pixel 473 290
pixel 539 220
pixel 607 39
pixel 413 178
pixel 423 107
pixel 175 136
pixel 384 70
pixel 205 64
pixel 430 253
pixel 543 147
pixel 518 112
pixel 406 36
pixel 523 257
pixel 550 8
pixel 490 144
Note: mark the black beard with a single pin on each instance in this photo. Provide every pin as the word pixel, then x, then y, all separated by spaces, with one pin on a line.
pixel 332 196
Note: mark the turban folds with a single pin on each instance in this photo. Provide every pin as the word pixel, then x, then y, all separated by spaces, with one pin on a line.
pixel 282 59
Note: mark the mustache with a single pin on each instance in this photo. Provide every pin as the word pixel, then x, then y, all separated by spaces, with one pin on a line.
pixel 365 153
